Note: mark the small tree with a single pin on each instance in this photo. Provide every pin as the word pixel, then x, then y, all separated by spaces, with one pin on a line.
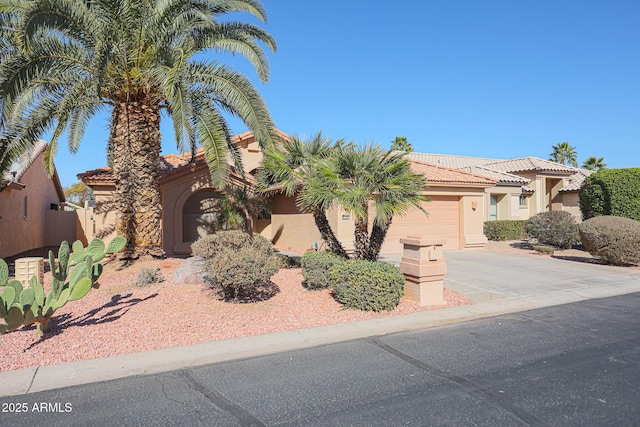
pixel 78 193
pixel 367 181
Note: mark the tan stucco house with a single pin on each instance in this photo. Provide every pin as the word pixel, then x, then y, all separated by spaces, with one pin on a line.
pixel 455 211
pixel 31 203
pixel 525 186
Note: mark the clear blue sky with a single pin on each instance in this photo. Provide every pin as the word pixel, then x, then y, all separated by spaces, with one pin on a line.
pixel 481 78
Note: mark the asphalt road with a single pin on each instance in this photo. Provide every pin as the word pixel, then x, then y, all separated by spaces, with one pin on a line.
pixel 570 365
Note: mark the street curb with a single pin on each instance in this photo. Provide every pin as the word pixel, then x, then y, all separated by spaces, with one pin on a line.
pixel 51 377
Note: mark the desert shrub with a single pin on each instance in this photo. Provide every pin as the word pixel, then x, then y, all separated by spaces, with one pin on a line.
pixel 614 239
pixel 505 230
pixel 614 192
pixel 367 285
pixel 243 274
pixel 212 245
pixel 544 249
pixel 556 228
pixel 148 276
pixel 316 268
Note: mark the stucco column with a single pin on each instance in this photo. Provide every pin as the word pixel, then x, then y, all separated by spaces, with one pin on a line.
pixel 424 268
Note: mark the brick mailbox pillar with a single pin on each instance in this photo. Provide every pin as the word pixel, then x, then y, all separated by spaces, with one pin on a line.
pixel 424 268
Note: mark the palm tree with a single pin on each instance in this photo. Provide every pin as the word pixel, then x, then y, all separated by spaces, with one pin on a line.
pixel 289 167
pixel 564 153
pixel 594 163
pixel 369 182
pixel 401 144
pixel 64 61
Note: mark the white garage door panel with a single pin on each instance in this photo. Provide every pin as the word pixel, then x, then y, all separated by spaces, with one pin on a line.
pixel 443 222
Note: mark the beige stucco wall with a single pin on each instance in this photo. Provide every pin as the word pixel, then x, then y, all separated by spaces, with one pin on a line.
pixel 291 229
pixel 104 217
pixel 40 227
pixel 571 203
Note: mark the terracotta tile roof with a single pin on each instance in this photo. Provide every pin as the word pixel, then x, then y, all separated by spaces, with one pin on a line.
pixel 529 164
pixel 450 160
pixel 576 180
pixel 436 174
pixel 170 164
pixel 502 177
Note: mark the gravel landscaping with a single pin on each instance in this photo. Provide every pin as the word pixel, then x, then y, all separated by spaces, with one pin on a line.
pixel 122 317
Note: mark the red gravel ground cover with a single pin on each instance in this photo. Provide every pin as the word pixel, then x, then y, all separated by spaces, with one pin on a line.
pixel 122 317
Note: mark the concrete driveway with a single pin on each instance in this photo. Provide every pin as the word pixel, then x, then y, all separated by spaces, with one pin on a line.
pixel 485 275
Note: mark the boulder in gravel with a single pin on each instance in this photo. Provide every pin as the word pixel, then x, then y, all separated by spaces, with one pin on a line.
pixel 191 271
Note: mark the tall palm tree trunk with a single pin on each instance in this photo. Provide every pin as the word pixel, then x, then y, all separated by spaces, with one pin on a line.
pixel 327 234
pixel 378 234
pixel 134 149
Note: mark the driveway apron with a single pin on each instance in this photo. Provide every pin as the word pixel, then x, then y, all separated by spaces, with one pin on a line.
pixel 485 275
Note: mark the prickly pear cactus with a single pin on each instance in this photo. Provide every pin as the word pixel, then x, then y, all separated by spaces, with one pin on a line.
pixel 24 306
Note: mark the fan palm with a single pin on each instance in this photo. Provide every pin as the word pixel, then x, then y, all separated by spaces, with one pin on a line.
pixel 63 61
pixel 564 153
pixel 371 183
pixel 594 163
pixel 290 167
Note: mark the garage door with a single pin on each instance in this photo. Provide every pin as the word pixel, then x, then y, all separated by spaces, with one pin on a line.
pixel 443 222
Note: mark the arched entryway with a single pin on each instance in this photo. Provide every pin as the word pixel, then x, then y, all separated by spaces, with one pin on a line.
pixel 199 215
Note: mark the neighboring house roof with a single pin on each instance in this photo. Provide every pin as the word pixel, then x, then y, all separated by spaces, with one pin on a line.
pixel 529 164
pixel 450 160
pixel 576 180
pixel 504 171
pixel 502 177
pixel 436 174
pixel 21 165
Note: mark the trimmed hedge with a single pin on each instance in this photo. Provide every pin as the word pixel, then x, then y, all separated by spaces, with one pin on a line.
pixel 368 285
pixel 614 239
pixel 316 267
pixel 614 192
pixel 556 228
pixel 505 230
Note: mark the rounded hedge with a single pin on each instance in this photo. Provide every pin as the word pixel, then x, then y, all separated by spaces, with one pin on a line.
pixel 213 245
pixel 368 285
pixel 614 239
pixel 556 228
pixel 316 267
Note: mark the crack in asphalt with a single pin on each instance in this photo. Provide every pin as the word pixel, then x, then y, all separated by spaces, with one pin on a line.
pixel 467 384
pixel 245 418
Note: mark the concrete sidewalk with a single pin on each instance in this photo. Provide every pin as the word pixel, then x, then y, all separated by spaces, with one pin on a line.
pixel 498 282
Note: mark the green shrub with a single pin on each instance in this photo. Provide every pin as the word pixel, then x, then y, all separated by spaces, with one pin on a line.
pixel 76 273
pixel 238 264
pixel 148 276
pixel 367 285
pixel 505 230
pixel 613 192
pixel 614 239
pixel 243 274
pixel 544 249
pixel 230 240
pixel 316 267
pixel 556 228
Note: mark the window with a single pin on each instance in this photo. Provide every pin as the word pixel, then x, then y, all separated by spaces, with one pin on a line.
pixel 24 208
pixel 523 201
